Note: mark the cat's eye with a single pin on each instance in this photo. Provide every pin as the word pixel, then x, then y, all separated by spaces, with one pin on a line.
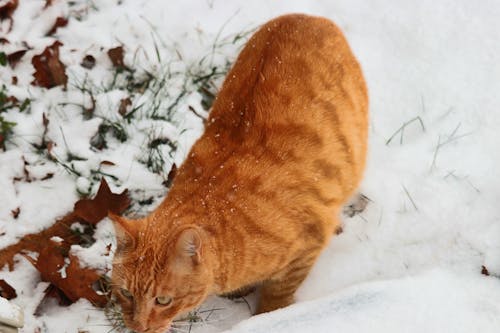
pixel 164 300
pixel 125 293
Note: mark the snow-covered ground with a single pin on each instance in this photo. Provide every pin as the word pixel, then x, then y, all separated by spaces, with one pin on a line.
pixel 411 262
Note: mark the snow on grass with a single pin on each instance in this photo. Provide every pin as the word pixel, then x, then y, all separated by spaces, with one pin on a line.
pixel 410 262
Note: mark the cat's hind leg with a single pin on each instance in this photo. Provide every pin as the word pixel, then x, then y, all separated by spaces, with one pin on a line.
pixel 279 291
pixel 238 293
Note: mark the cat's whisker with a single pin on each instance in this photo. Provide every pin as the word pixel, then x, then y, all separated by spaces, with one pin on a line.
pixel 176 329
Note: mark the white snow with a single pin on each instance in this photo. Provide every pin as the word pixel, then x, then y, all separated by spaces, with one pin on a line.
pixel 411 262
pixel 10 314
pixel 437 301
pixel 56 239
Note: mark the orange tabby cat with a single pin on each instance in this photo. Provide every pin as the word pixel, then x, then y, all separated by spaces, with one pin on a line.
pixel 259 195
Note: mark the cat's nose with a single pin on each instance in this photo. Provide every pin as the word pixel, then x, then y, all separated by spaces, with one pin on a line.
pixel 138 327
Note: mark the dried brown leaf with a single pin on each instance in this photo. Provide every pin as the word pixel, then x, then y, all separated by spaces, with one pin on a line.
pixel 14 57
pixel 15 212
pixel 116 56
pixel 49 70
pixel 6 11
pixel 124 104
pixel 105 162
pixel 94 210
pixel 103 202
pixel 60 22
pixel 63 271
pixel 6 290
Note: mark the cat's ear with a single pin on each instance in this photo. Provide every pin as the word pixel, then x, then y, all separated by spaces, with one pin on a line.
pixel 189 244
pixel 125 232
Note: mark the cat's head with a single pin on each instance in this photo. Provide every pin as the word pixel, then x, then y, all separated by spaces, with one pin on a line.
pixel 158 276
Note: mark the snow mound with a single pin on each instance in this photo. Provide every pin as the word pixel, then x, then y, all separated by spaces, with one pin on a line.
pixel 436 301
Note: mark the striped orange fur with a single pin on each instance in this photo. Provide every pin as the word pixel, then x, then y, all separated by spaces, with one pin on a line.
pixel 259 194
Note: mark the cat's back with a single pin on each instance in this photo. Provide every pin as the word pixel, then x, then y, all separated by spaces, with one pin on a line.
pixel 289 62
pixel 293 107
pixel 295 91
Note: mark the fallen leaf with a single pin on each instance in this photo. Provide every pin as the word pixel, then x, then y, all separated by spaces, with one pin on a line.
pixel 124 104
pixel 4 41
pixel 103 202
pixel 6 11
pixel 14 80
pixel 6 291
pixel 15 212
pixel 116 56
pixel 14 57
pixel 88 62
pixel 49 70
pixel 53 292
pixel 94 210
pixel 484 271
pixel 107 163
pixel 64 272
pixel 60 22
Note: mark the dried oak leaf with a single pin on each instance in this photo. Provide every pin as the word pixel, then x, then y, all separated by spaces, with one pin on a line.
pixel 116 56
pixel 60 22
pixel 94 210
pixel 65 273
pixel 14 57
pixel 6 291
pixel 49 70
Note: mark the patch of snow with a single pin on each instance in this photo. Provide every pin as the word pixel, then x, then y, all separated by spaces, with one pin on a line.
pixel 56 239
pixel 436 301
pixel 100 254
pixel 10 314
pixel 62 271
